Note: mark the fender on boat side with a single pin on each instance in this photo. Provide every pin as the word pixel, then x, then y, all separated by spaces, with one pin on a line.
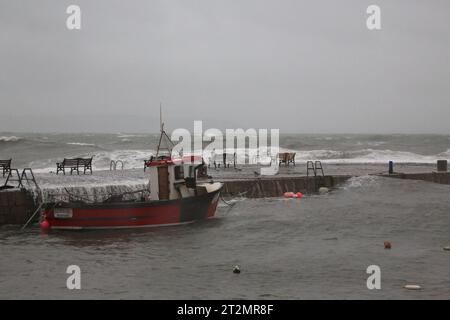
pixel 212 187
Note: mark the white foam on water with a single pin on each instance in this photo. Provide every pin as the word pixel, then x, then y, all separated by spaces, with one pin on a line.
pixel 361 181
pixel 445 154
pixel 368 156
pixel 131 135
pixel 134 159
pixel 80 144
pixel 10 138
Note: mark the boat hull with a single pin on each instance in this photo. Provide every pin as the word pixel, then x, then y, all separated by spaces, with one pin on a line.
pixel 132 214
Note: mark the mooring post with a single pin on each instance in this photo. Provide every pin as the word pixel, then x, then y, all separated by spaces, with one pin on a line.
pixel 391 167
pixel 442 165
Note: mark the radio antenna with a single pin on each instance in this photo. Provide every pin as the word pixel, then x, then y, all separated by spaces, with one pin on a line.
pixel 161 123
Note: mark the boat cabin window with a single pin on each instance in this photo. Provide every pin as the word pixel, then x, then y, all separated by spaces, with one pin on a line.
pixel 179 172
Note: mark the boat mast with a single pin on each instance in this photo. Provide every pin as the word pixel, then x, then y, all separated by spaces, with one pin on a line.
pixel 161 124
pixel 163 135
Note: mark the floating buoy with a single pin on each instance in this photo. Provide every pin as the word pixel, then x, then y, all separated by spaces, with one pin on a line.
pixel 293 195
pixel 45 225
pixel 413 287
pixel 323 190
pixel 387 245
pixel 236 269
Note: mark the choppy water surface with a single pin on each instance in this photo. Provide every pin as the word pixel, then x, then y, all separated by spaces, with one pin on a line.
pixel 317 247
pixel 42 151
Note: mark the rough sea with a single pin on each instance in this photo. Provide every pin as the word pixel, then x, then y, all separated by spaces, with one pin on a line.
pixel 42 151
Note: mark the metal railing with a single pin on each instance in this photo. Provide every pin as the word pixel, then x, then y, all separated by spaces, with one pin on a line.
pixel 113 165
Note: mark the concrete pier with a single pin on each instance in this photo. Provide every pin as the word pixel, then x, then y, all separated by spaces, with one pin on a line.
pixel 436 177
pixel 16 206
pixel 277 186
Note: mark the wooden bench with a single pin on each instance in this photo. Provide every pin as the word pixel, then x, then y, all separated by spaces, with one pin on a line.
pixel 86 164
pixel 286 158
pixel 291 158
pixel 6 166
pixel 225 159
pixel 74 165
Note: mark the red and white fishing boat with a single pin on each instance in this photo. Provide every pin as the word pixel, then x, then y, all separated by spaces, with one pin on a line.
pixel 179 192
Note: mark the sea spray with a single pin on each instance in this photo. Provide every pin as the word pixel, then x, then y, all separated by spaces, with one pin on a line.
pixel 95 194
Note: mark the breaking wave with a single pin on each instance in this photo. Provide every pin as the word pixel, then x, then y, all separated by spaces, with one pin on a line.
pixel 362 181
pixel 132 159
pixel 368 156
pixel 10 139
pixel 131 135
pixel 81 144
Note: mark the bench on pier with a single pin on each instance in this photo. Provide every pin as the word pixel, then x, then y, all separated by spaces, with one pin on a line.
pixel 6 166
pixel 286 158
pixel 74 165
pixel 226 159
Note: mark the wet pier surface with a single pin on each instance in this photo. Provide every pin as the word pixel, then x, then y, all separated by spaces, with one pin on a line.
pixel 138 176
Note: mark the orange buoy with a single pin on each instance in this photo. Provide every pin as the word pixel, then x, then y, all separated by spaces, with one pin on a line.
pixel 387 245
pixel 288 194
pixel 299 195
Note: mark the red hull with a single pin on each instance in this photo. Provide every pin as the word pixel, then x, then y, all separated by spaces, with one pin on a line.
pixel 133 215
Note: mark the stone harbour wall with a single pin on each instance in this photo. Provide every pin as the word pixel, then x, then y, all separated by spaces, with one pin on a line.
pixel 436 177
pixel 277 186
pixel 16 206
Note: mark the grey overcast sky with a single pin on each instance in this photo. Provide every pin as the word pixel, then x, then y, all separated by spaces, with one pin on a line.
pixel 301 66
